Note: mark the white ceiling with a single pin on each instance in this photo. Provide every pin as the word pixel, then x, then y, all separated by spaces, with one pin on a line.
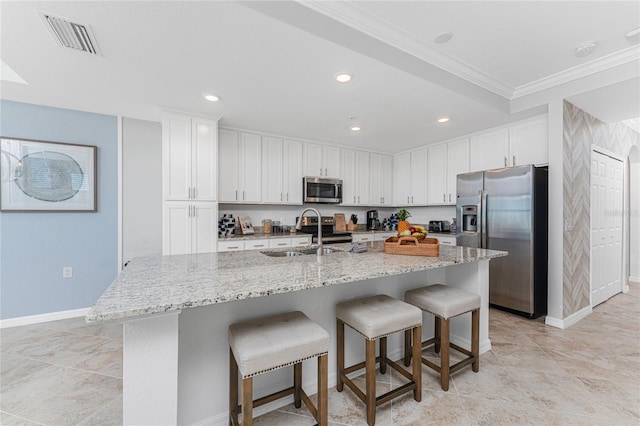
pixel 273 63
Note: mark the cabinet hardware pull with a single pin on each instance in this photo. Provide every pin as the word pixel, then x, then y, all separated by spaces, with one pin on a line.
pixel 449 197
pixel 236 195
pixel 189 212
pixel 444 198
pixel 505 161
pixel 259 245
pixel 354 199
pixel 412 199
pixel 193 195
pixel 243 195
pixel 281 196
pixel 194 211
pixel 514 160
pixel 408 200
pixel 234 247
pixel 325 172
pixel 320 171
pixel 358 199
pixel 287 196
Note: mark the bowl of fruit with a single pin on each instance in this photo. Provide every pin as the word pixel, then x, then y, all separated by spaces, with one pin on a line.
pixel 417 231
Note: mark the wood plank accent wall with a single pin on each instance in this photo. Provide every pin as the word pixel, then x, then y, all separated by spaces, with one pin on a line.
pixel 580 131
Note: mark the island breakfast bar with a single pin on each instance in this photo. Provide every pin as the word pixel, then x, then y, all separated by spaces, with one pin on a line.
pixel 176 311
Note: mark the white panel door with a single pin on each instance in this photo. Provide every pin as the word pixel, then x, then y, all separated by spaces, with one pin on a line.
pixel 606 227
pixel 204 227
pixel 381 179
pixel 489 151
pixel 177 228
pixel 331 162
pixel 419 176
pixel 312 160
pixel 436 174
pixel 457 163
pixel 362 177
pixel 292 172
pixel 272 165
pixel 251 167
pixel 228 152
pixel 402 179
pixel 349 189
pixel 204 159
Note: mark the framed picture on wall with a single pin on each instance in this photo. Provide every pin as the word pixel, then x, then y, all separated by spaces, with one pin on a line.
pixel 47 176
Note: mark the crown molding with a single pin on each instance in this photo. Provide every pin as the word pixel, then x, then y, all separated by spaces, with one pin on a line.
pixel 348 13
pixel 621 57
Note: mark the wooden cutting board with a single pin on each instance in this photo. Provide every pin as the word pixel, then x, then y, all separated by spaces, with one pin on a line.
pixel 341 225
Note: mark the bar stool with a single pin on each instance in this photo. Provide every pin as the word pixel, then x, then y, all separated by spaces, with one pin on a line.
pixel 265 344
pixel 445 302
pixel 375 318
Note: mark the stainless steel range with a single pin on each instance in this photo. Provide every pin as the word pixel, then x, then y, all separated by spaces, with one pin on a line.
pixel 329 234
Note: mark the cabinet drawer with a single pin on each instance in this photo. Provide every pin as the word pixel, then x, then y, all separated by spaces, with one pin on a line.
pixel 300 241
pixel 230 245
pixel 256 244
pixel 384 236
pixel 447 241
pixel 363 237
pixel 279 242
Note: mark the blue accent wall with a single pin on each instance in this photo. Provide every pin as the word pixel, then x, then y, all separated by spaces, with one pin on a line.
pixel 34 247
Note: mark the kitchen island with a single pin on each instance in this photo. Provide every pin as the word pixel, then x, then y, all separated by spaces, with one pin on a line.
pixel 176 311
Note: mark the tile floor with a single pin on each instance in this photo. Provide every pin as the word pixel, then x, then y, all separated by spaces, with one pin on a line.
pixel 69 373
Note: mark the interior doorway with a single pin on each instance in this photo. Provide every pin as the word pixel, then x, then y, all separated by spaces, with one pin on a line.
pixel 607 205
pixel 634 215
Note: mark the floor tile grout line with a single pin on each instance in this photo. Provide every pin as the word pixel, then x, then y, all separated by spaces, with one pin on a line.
pixel 99 409
pixel 67 367
pixel 22 417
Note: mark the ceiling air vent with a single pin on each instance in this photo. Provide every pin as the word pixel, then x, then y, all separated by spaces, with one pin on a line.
pixel 71 34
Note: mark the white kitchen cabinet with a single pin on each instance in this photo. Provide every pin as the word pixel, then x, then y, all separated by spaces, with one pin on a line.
pixel 230 245
pixel 281 171
pixel 240 168
pixel 300 241
pixel 355 177
pixel 363 238
pixel 381 236
pixel 410 178
pixel 262 243
pixel 457 163
pixel 321 160
pixel 258 244
pixel 521 143
pixel 528 142
pixel 189 227
pixel 381 179
pixel 447 241
pixel 437 174
pixel 489 150
pixel 279 242
pixel 189 152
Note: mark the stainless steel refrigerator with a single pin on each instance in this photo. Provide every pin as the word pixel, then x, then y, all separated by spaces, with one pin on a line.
pixel 506 209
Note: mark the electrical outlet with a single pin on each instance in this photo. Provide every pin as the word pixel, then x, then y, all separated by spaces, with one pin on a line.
pixel 67 272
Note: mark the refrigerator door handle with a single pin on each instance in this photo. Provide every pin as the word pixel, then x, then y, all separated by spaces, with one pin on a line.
pixel 483 219
pixel 478 220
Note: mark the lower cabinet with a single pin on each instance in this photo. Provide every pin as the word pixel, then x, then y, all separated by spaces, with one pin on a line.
pixel 262 243
pixel 373 236
pixel 363 238
pixel 447 241
pixel 189 227
pixel 381 236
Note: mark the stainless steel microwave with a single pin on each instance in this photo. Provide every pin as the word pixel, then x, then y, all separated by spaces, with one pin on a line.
pixel 321 190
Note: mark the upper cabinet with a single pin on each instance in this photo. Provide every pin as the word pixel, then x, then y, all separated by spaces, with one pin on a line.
pixel 321 160
pixel 410 178
pixel 189 146
pixel 521 143
pixel 457 163
pixel 381 180
pixel 281 171
pixel 445 162
pixel 240 170
pixel 356 177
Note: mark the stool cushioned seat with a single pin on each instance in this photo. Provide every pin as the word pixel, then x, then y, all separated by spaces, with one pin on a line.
pixel 276 341
pixel 443 301
pixel 378 316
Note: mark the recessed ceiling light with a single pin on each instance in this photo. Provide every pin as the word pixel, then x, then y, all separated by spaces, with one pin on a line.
pixel 586 48
pixel 443 119
pixel 443 37
pixel 343 77
pixel 211 98
pixel 355 128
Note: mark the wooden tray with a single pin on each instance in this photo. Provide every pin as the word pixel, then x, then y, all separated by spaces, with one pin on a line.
pixel 411 246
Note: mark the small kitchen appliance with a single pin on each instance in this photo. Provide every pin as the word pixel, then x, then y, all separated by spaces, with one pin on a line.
pixel 372 219
pixel 322 190
pixel 439 226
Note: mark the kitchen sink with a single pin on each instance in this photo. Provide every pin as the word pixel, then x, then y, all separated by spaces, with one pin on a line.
pixel 300 252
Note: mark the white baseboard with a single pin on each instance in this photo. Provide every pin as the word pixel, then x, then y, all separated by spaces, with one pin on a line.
pixel 36 319
pixel 568 321
pixel 634 279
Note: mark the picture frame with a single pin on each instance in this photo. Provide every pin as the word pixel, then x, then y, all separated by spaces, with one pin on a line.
pixel 41 176
pixel 244 222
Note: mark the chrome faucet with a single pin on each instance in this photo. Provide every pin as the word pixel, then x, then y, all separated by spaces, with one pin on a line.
pixel 299 226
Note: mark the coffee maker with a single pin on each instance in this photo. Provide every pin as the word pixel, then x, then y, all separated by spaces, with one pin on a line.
pixel 372 220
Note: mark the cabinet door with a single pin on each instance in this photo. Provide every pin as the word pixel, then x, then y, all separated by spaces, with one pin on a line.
pixel 363 238
pixel 489 151
pixel 260 244
pixel 457 163
pixel 300 241
pixel 176 147
pixel 331 162
pixel 447 241
pixel 231 245
pixel 204 159
pixel 376 180
pixel 386 181
pixel 436 174
pixel 381 236
pixel 229 154
pixel 272 168
pixel 176 236
pixel 204 227
pixel 528 142
pixel 402 179
pixel 292 172
pixel 419 176
pixel 279 242
pixel 251 167
pixel 362 178
pixel 349 186
pixel 312 160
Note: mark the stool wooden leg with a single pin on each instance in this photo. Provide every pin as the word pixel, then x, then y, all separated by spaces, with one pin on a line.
pixel 444 354
pixel 297 385
pixel 383 355
pixel 475 340
pixel 436 331
pixel 407 347
pixel 340 354
pixel 417 363
pixel 247 401
pixel 233 389
pixel 323 384
pixel 370 367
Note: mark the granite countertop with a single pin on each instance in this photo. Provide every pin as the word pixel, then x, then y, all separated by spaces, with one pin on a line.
pixel 151 285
